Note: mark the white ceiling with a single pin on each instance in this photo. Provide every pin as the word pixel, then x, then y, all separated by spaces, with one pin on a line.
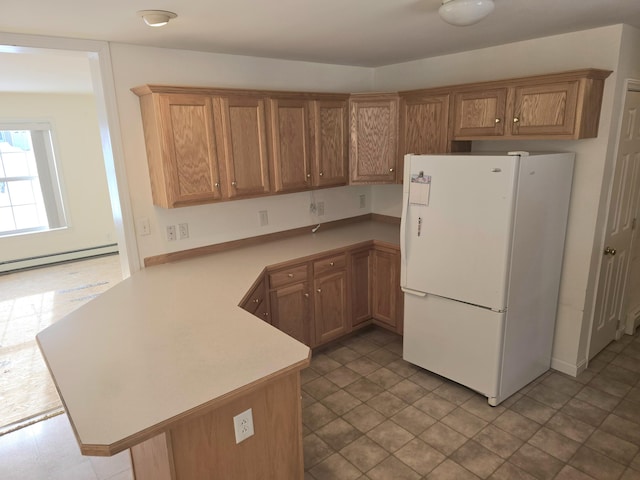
pixel 349 32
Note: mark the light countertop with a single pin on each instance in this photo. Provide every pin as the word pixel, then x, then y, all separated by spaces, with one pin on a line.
pixel 172 338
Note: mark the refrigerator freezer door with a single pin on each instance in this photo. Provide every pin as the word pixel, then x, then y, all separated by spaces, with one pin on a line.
pixel 455 340
pixel 456 230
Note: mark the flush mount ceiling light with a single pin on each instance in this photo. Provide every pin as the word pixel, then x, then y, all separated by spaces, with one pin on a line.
pixel 465 12
pixel 156 18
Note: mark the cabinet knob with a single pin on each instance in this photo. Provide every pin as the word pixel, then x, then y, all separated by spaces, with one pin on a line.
pixel 290 275
pixel 498 120
pixel 308 175
pixel 234 184
pixel 392 170
pixel 256 300
pixel 319 290
pixel 306 295
pixel 321 174
pixel 331 264
pixel 610 251
pixel 516 119
pixel 265 314
pixel 217 184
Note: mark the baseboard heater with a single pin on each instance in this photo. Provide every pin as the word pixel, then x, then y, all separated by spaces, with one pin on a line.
pixel 60 257
pixel 633 320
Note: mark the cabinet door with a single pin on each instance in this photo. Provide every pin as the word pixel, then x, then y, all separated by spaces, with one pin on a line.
pixel 330 302
pixel 291 311
pixel 329 152
pixel 479 113
pixel 424 123
pixel 547 109
pixel 290 149
pixel 244 145
pixel 191 164
pixel 360 287
pixel 386 280
pixel 256 301
pixel 374 138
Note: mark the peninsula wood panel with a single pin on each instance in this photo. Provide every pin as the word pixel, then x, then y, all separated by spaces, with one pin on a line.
pixel 205 447
pixel 243 139
pixel 290 148
pixel 291 311
pixel 373 138
pixel 330 153
pixel 386 280
pixel 153 459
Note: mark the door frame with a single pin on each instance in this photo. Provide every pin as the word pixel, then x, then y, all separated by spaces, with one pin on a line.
pixel 99 56
pixel 630 85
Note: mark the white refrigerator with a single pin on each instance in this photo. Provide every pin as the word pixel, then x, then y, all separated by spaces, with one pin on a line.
pixel 482 242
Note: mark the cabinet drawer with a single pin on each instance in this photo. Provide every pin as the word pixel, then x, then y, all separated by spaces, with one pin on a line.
pixel 327 264
pixel 299 273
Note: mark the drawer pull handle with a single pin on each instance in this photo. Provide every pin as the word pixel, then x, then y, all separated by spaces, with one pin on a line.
pixel 290 275
pixel 331 264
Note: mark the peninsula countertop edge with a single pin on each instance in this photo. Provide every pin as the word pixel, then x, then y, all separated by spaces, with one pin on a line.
pixel 171 339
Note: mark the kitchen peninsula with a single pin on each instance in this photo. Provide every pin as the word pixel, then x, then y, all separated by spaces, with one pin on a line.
pixel 163 361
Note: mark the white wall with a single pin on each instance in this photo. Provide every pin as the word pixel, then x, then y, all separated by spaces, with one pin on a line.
pixel 215 223
pixel 79 158
pixel 597 48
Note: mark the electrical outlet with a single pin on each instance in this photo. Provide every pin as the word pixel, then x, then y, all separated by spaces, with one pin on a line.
pixel 171 233
pixel 183 230
pixel 243 425
pixel 264 218
pixel 144 226
pixel 320 206
pixel 363 201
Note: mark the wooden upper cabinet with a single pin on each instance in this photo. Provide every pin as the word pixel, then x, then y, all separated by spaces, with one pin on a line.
pixel 480 113
pixel 373 138
pixel 290 148
pixel 181 149
pixel 557 106
pixel 243 144
pixel 329 152
pixel 548 109
pixel 424 126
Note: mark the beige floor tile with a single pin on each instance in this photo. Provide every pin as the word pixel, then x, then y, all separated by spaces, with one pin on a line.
pixel 340 402
pixel 338 433
pixel 408 391
pixel 443 438
pixel 570 427
pixel 315 450
pixel 434 406
pixel 555 444
pixel 477 459
pixel 387 404
pixel 464 422
pixel 570 473
pixel 584 412
pixel 364 453
pixel 413 420
pixel 419 456
pixel 450 470
pixel 336 467
pixel 597 465
pixel 390 436
pixel 393 468
pixel 517 425
pixel 498 441
pixel 508 471
pixel 598 398
pixel 364 418
pixel 612 446
pixel 536 462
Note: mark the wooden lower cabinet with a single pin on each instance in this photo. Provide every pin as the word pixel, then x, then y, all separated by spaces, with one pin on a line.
pixel 331 318
pixel 291 311
pixel 387 296
pixel 203 445
pixel 328 296
pixel 360 269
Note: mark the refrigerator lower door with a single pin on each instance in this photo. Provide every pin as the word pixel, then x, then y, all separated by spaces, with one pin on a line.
pixel 456 340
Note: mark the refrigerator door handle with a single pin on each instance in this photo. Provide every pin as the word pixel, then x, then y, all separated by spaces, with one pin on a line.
pixel 414 292
pixel 403 221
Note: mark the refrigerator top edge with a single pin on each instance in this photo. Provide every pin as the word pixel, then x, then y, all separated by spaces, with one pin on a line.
pixel 489 154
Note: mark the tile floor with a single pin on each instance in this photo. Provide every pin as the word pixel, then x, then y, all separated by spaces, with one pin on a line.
pixel 368 415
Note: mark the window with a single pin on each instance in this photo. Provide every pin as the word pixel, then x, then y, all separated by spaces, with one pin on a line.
pixel 30 198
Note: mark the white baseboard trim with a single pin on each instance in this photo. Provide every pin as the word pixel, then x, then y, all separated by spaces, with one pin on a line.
pixel 568 368
pixel 61 257
pixel 633 320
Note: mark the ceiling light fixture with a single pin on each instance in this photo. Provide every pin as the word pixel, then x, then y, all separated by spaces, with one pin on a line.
pixel 156 18
pixel 465 12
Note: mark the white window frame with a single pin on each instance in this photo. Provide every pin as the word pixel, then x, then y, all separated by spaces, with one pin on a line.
pixel 42 139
